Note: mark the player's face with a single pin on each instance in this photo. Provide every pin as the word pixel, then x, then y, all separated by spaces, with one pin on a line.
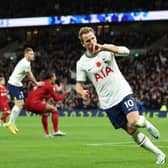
pixel 89 40
pixel 30 55
pixel 2 81
pixel 53 78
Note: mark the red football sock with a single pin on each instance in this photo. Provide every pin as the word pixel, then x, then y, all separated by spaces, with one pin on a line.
pixel 44 121
pixel 4 117
pixel 54 118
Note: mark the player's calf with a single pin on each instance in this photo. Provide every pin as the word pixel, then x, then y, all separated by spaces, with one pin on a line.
pixel 143 141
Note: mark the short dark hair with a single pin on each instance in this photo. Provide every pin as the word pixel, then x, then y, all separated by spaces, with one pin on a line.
pixel 1 75
pixel 47 74
pixel 28 49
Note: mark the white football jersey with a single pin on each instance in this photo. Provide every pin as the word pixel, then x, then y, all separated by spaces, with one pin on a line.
pixel 103 71
pixel 20 71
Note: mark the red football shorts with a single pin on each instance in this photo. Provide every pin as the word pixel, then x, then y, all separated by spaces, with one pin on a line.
pixel 35 106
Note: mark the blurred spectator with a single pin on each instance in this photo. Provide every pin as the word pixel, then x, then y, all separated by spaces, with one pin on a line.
pixel 60 50
pixel 17 8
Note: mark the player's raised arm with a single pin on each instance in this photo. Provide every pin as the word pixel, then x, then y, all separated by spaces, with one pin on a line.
pixel 118 50
pixel 58 97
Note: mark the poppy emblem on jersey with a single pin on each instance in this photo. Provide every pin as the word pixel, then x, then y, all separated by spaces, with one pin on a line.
pixel 98 64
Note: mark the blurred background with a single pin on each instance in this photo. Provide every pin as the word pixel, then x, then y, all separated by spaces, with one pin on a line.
pixel 57 45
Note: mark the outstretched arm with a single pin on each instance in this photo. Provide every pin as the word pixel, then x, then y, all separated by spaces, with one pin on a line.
pixel 62 96
pixel 33 79
pixel 118 50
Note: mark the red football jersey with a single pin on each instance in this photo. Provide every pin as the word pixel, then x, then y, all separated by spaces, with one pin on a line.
pixel 4 106
pixel 46 91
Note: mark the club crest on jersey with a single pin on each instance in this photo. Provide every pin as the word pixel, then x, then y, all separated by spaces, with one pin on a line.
pixel 103 74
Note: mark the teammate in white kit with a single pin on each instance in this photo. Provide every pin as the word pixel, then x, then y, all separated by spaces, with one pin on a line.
pixel 22 69
pixel 115 94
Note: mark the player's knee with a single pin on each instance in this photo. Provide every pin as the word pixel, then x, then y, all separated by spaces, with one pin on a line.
pixel 140 122
pixel 133 118
pixel 50 108
pixel 53 109
pixel 19 103
pixel 7 112
pixel 132 122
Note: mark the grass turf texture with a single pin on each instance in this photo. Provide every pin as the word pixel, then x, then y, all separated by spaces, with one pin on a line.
pixel 91 142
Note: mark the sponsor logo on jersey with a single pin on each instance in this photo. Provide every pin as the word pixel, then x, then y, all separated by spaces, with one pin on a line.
pixel 103 74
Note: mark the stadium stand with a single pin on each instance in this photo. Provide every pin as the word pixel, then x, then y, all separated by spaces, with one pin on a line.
pixel 60 44
pixel 16 8
pixel 150 85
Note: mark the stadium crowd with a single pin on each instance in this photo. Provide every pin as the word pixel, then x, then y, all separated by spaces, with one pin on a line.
pixel 146 72
pixel 16 8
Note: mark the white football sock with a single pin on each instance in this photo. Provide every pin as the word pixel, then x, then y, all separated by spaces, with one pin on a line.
pixel 145 142
pixel 143 123
pixel 14 114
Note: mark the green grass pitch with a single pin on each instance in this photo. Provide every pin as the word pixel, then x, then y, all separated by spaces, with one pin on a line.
pixel 91 142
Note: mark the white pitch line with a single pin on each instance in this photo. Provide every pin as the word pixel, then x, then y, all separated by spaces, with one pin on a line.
pixel 127 143
pixel 111 143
